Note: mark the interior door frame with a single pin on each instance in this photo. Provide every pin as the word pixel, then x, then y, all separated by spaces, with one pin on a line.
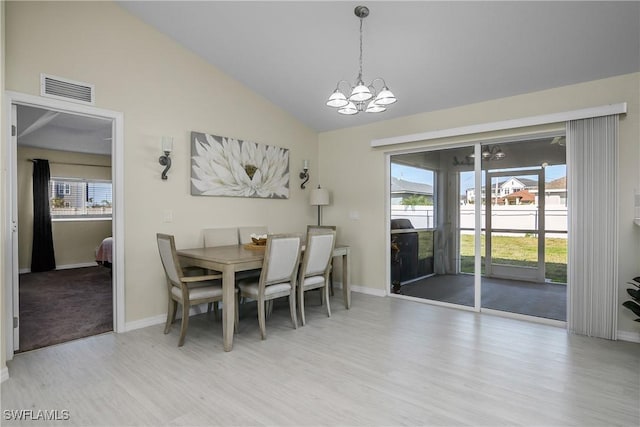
pixel 10 196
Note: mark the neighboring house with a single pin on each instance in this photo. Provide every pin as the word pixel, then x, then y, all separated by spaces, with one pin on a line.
pixel 504 188
pixel 521 197
pixel 513 185
pixel 401 189
pixel 555 191
pixel 62 194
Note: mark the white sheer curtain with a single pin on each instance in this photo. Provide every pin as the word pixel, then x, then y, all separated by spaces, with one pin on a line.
pixel 592 297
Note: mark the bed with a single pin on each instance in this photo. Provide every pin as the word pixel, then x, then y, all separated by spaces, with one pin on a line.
pixel 104 252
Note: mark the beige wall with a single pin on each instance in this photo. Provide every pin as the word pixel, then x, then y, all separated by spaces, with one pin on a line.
pixel 162 89
pixel 341 154
pixel 74 242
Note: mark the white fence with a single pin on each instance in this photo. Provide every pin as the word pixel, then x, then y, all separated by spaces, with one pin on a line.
pixel 510 217
pixel 420 216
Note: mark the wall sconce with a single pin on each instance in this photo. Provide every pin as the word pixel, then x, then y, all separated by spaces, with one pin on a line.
pixel 305 173
pixel 165 160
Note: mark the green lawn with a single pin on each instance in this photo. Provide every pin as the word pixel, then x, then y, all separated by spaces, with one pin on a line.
pixel 519 251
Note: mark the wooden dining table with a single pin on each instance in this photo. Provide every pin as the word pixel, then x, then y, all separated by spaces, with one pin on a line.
pixel 231 259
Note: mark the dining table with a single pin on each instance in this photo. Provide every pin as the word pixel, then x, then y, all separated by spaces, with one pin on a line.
pixel 235 258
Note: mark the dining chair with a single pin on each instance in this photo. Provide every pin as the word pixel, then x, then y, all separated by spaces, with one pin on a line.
pixel 316 266
pixel 325 227
pixel 186 290
pixel 214 237
pixel 245 233
pixel 278 276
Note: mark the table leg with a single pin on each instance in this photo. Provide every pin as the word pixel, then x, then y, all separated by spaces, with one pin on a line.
pixel 346 282
pixel 228 312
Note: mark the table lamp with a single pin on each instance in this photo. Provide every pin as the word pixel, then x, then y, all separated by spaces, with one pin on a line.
pixel 319 197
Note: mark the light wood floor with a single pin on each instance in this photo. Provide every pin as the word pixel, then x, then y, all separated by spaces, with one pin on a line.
pixel 384 362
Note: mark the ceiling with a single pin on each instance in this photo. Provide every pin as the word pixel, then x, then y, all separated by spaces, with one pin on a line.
pixel 433 55
pixel 53 130
pixel 528 153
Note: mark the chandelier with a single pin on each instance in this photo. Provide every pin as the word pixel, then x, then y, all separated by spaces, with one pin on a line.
pixel 492 153
pixel 362 97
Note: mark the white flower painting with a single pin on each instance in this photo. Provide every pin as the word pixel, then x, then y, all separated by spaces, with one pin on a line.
pixel 230 167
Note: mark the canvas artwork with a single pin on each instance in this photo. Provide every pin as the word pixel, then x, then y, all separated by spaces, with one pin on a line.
pixel 222 166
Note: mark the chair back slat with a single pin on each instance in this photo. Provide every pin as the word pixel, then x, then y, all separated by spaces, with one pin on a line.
pixel 167 248
pixel 282 256
pixel 214 237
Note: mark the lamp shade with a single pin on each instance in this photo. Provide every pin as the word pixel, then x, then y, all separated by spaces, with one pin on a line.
pixel 385 97
pixel 337 99
pixel 319 197
pixel 167 144
pixel 360 93
pixel 374 108
pixel 349 109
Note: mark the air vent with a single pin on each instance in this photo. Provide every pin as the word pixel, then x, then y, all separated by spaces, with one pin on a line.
pixel 69 90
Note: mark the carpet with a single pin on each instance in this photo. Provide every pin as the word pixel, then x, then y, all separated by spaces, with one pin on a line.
pixel 63 305
pixel 548 300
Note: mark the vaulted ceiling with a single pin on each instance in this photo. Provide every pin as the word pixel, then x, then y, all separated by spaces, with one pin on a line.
pixel 433 55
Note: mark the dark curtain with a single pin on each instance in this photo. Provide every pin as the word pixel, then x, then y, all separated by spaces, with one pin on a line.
pixel 42 256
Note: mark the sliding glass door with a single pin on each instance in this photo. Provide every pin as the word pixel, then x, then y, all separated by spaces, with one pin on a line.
pixel 426 200
pixel 473 232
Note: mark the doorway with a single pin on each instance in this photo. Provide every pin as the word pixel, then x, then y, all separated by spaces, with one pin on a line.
pixel 48 110
pixel 515 211
pixel 503 232
pixel 73 297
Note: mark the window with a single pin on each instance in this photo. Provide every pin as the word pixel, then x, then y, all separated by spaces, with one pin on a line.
pixel 74 198
pixel 62 189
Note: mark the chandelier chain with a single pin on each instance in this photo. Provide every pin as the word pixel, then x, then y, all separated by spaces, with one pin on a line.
pixel 360 74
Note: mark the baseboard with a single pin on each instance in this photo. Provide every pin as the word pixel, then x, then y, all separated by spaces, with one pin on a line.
pixel 63 267
pixel 431 302
pixel 161 318
pixel 629 336
pixel 532 319
pixel 4 374
pixel 143 323
pixel 361 289
pixel 368 291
